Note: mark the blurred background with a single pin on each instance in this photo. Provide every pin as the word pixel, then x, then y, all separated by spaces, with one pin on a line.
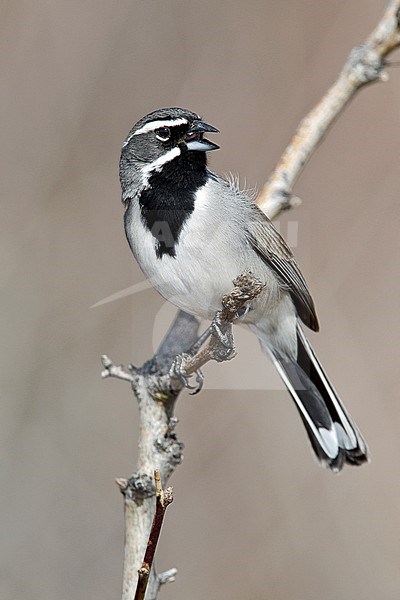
pixel 254 516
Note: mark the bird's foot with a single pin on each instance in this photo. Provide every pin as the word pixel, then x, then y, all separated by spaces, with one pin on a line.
pixel 178 371
pixel 200 342
pixel 222 332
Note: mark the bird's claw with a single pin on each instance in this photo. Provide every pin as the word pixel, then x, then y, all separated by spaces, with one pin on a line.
pixel 177 371
pixel 222 331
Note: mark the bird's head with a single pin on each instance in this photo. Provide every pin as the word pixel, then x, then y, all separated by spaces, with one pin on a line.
pixel 167 141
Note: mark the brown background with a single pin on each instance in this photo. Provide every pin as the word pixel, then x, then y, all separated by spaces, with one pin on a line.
pixel 254 517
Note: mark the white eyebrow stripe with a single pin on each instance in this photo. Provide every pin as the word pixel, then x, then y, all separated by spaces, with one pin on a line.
pixel 153 125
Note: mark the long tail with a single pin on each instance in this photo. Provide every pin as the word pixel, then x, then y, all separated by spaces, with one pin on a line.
pixel 334 436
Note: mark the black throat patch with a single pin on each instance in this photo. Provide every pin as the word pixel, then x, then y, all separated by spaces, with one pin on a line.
pixel 169 200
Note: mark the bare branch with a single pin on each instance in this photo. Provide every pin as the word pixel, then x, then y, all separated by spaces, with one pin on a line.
pixel 163 500
pixel 155 388
pixel 159 449
pixel 364 65
pixel 117 371
pixel 156 581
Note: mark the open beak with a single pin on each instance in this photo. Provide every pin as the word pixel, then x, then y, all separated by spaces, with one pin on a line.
pixel 194 138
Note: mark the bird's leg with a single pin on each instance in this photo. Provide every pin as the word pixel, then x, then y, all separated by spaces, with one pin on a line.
pixel 178 371
pixel 220 348
pixel 200 341
pixel 178 368
pixel 222 331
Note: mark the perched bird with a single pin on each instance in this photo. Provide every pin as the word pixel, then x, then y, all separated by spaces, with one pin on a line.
pixel 193 232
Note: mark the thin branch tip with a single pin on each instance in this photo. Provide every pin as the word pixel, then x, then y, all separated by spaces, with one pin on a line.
pixel 163 499
pixel 106 361
pixel 157 482
pixel 295 201
pixel 168 496
pixel 117 371
pixel 167 576
pixel 365 64
pixel 122 483
pixel 384 76
pixel 164 496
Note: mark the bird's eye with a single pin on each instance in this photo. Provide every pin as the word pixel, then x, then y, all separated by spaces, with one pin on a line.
pixel 163 134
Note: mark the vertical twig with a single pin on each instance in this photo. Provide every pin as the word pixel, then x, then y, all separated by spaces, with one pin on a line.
pixel 159 448
pixel 163 500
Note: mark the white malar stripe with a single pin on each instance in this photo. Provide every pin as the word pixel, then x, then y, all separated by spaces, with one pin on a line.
pixel 153 125
pixel 157 164
pixel 162 160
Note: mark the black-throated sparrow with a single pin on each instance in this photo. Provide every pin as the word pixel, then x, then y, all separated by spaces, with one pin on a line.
pixel 193 232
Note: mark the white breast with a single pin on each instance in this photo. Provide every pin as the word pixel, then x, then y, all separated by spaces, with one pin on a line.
pixel 212 250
